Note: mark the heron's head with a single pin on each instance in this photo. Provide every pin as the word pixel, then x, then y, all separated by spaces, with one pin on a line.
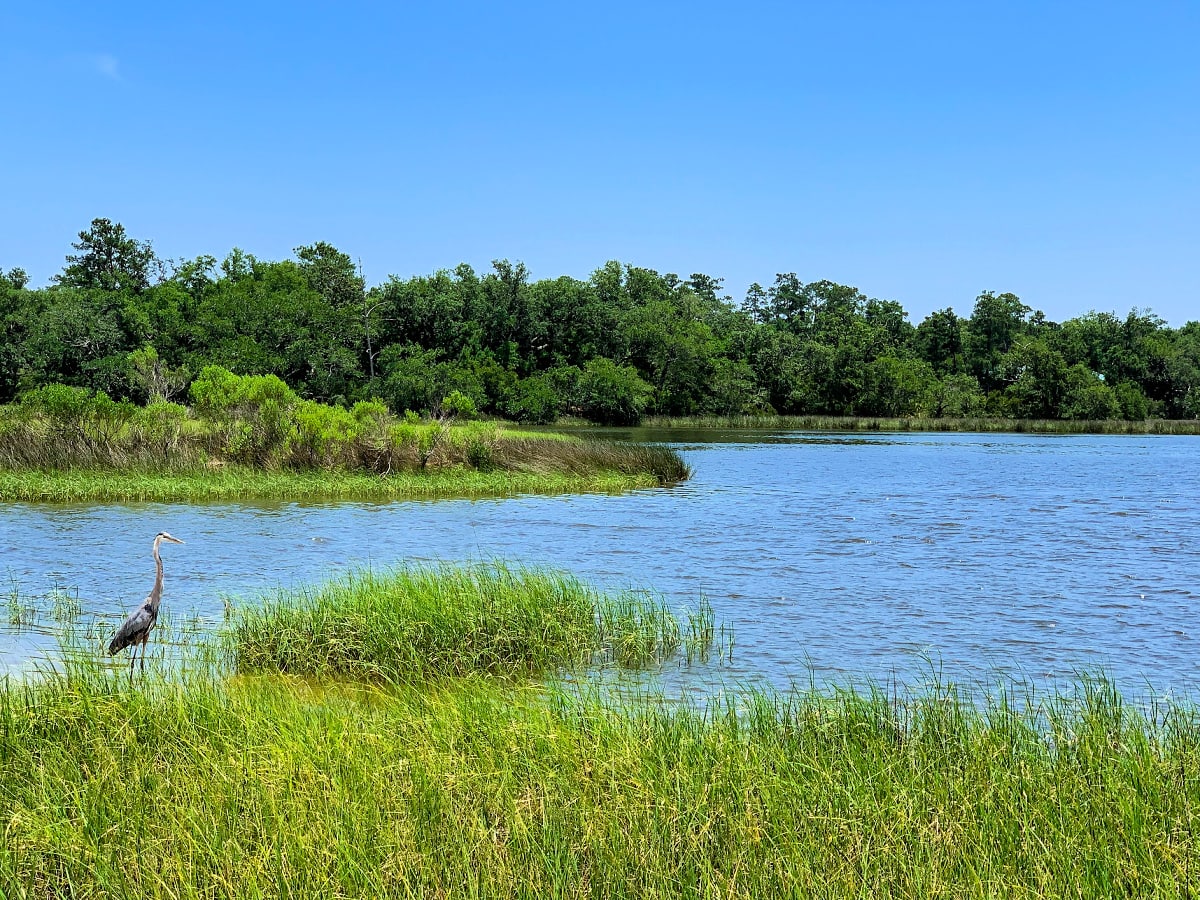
pixel 163 536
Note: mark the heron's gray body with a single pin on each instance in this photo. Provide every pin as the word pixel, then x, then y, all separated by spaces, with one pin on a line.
pixel 136 629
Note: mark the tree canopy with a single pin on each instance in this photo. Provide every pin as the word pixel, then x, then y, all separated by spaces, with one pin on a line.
pixel 625 342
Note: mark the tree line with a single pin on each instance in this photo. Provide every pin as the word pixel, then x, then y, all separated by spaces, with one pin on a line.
pixel 624 343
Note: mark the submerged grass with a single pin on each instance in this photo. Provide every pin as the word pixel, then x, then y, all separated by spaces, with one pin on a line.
pixel 274 786
pixel 423 622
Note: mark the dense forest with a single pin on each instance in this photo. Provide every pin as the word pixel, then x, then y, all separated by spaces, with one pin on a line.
pixel 625 343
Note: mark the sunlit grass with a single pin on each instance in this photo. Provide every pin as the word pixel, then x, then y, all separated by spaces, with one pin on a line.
pixel 230 483
pixel 425 622
pixel 280 786
pixel 380 736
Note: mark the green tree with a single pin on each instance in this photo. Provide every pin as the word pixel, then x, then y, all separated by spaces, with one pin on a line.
pixel 1087 396
pixel 896 387
pixel 939 341
pixel 957 396
pixel 108 260
pixel 993 328
pixel 610 394
pixel 1038 379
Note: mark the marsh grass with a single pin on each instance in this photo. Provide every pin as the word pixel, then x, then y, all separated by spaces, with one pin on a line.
pixel 57 607
pixel 279 786
pixel 438 621
pixel 234 483
pixel 370 750
pixel 543 455
pixel 18 614
pixel 85 448
pixel 920 423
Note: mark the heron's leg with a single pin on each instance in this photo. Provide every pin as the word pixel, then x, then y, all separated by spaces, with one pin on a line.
pixel 132 654
pixel 143 656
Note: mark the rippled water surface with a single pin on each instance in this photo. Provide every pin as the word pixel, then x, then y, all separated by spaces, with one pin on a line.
pixel 852 556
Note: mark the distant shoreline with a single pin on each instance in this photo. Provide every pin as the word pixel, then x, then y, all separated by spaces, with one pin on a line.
pixel 921 423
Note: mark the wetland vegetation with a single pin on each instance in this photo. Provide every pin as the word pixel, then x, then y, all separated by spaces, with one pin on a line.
pixel 430 751
pixel 252 436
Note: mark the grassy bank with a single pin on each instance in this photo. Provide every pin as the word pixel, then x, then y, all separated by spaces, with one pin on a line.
pixel 249 437
pixel 364 748
pixel 918 423
pixel 275 786
pixel 83 486
pixel 489 461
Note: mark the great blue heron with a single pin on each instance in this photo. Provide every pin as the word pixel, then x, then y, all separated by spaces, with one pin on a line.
pixel 136 629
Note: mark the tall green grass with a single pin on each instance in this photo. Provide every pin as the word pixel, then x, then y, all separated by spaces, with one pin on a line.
pixel 363 748
pixel 424 622
pixel 276 786
pixel 236 483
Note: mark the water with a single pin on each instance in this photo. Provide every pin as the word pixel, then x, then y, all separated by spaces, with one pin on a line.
pixel 845 557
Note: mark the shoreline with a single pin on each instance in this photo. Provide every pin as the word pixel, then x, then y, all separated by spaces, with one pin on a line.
pixel 107 486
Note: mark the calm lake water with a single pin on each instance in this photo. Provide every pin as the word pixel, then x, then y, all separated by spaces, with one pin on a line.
pixel 846 557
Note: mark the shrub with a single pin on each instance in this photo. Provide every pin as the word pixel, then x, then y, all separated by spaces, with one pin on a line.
pixel 533 400
pixel 253 414
pixel 86 424
pixel 459 405
pixel 612 395
pixel 325 435
pixel 160 426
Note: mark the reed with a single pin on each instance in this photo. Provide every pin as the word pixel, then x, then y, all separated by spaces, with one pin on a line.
pixel 428 622
pixel 281 786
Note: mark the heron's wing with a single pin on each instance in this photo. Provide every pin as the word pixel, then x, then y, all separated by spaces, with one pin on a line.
pixel 131 629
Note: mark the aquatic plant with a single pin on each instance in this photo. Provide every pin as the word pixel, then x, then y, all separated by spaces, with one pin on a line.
pixel 422 622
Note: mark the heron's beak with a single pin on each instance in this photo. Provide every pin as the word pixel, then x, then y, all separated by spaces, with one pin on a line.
pixel 173 540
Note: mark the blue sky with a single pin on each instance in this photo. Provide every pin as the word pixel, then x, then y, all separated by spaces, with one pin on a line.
pixel 920 151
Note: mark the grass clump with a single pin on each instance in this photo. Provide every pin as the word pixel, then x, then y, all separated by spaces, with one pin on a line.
pixel 274 786
pixel 422 622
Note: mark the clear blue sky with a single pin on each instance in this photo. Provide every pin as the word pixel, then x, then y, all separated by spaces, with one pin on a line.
pixel 921 151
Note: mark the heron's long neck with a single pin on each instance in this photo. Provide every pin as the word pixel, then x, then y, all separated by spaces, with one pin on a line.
pixel 156 593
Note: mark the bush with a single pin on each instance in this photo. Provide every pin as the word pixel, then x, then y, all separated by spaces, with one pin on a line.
pixel 325 435
pixel 533 400
pixel 612 395
pixel 89 421
pixel 160 426
pixel 253 414
pixel 459 405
